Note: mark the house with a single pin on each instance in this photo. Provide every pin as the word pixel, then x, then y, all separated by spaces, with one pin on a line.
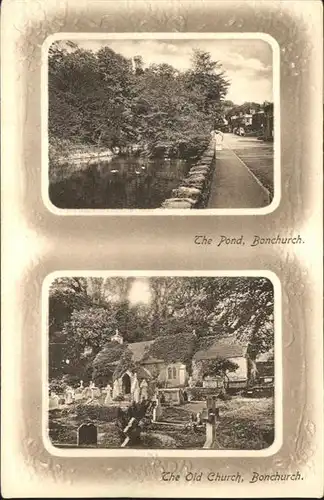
pixel 223 349
pixel 264 363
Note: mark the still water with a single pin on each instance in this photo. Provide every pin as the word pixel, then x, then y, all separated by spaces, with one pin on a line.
pixel 120 182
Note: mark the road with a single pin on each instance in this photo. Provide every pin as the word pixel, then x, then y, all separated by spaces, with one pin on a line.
pixel 244 174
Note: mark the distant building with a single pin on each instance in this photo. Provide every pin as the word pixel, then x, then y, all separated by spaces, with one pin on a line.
pixel 224 349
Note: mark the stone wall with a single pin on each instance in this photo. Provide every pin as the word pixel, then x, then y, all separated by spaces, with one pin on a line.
pixel 194 190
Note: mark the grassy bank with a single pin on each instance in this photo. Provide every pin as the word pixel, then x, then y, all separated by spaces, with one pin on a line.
pixel 246 424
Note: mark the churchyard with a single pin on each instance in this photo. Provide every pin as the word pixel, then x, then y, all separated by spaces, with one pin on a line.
pixel 89 417
pixel 161 362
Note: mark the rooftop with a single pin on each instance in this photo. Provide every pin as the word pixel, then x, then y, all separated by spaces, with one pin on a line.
pixel 221 348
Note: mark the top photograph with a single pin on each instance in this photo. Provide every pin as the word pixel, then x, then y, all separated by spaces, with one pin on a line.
pixel 161 125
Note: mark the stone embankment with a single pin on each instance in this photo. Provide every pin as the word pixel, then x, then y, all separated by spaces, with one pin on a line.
pixel 88 157
pixel 194 190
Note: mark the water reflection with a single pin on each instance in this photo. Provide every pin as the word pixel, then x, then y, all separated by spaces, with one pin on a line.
pixel 122 182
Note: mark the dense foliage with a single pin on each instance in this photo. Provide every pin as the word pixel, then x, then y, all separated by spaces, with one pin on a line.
pixel 104 99
pixel 84 313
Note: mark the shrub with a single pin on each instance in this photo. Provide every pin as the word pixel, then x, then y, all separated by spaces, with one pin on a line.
pixel 57 385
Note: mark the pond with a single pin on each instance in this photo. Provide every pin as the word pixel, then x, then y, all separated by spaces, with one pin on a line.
pixel 119 182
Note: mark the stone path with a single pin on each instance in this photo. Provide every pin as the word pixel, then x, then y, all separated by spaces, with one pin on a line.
pixel 234 184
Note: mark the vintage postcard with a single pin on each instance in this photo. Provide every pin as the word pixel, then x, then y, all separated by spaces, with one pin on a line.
pixel 162 326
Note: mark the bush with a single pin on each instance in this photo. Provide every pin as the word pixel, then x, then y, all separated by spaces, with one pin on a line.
pixel 57 385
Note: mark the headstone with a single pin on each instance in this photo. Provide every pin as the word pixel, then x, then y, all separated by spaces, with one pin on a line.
pixel 144 390
pixel 69 396
pixel 190 382
pixel 157 409
pixel 87 435
pixel 115 389
pixel 53 401
pixel 86 393
pixel 95 392
pixel 212 422
pixel 135 390
pixel 108 398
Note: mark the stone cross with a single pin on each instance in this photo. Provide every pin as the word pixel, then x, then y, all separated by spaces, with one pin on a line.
pixel 212 422
pixel 108 399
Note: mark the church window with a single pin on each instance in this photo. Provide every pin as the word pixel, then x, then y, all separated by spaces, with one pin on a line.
pixel 169 373
pixel 174 372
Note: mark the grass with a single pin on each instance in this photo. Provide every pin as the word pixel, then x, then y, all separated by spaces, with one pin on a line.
pixel 245 424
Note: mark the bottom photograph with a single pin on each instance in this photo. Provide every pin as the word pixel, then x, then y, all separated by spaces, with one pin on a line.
pixel 178 362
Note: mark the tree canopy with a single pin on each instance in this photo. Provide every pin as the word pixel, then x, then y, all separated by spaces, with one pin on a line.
pixel 103 98
pixel 84 314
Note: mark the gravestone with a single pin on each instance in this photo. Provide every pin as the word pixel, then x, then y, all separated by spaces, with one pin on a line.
pixel 135 391
pixel 157 409
pixel 144 390
pixel 108 398
pixel 53 401
pixel 95 392
pixel 87 435
pixel 212 422
pixel 116 389
pixel 69 396
pixel 79 391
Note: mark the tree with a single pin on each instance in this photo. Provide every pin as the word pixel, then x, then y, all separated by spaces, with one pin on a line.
pixel 85 312
pixel 88 330
pixel 105 99
pixel 218 367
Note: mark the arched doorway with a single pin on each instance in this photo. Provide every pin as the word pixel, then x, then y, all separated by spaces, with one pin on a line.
pixel 126 384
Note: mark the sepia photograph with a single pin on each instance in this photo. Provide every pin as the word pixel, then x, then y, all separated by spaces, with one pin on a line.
pixel 156 123
pixel 161 362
